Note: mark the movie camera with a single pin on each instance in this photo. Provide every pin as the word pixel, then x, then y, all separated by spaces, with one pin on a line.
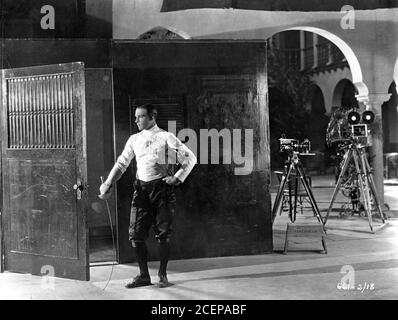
pixel 360 130
pixel 293 145
pixel 346 125
pixel 348 131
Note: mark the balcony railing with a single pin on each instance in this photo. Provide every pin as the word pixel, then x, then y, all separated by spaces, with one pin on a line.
pixel 323 54
pixel 308 57
pixel 329 56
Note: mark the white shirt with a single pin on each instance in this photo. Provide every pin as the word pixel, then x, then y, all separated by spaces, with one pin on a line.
pixel 154 149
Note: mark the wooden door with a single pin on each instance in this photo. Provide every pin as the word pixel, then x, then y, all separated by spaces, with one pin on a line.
pixel 44 171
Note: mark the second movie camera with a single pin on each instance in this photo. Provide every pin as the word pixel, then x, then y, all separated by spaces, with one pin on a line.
pixel 293 145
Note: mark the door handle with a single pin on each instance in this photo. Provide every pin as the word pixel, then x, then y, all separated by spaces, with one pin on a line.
pixel 79 187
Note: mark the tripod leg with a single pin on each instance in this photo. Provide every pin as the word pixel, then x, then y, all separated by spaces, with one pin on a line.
pixel 363 188
pixel 290 200
pixel 310 194
pixel 278 198
pixel 373 186
pixel 279 195
pixel 295 196
pixel 325 249
pixel 347 159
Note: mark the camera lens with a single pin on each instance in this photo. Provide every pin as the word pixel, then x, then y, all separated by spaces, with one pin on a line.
pixel 368 117
pixel 354 117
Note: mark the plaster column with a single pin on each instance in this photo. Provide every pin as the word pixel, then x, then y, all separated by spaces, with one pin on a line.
pixel 315 49
pixel 373 102
pixel 302 50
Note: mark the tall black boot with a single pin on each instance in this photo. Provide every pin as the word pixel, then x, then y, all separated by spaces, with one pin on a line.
pixel 143 279
pixel 164 252
pixel 141 253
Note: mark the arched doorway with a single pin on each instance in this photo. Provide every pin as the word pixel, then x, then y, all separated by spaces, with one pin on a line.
pixel 303 58
pixel 318 118
pixel 346 51
pixel 344 94
pixel 282 122
pixel 390 134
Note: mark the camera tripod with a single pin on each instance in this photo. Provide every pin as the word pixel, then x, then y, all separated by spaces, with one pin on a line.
pixel 365 179
pixel 296 164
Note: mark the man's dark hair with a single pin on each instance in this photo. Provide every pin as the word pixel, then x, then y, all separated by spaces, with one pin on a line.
pixel 150 109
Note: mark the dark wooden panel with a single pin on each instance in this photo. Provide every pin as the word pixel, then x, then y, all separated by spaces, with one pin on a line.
pixel 184 54
pixel 218 213
pixel 94 53
pixel 42 211
pixel 169 109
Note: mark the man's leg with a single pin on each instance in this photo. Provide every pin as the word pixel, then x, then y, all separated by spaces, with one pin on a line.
pixel 140 222
pixel 164 253
pixel 164 203
pixel 141 254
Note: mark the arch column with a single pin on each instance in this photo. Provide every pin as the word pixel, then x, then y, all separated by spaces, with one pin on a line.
pixel 373 102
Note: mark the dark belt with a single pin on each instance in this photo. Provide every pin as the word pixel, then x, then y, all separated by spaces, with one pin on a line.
pixel 139 183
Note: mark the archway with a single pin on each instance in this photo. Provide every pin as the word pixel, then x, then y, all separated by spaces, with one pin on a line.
pixel 344 94
pixel 390 120
pixel 327 61
pixel 317 100
pixel 280 106
pixel 348 53
pixel 318 118
pixel 322 164
pixel 390 141
pixel 164 33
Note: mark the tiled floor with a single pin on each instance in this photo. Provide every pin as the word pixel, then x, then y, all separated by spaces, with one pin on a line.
pixel 304 273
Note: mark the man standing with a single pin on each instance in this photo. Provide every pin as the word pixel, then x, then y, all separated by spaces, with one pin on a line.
pixel 154 199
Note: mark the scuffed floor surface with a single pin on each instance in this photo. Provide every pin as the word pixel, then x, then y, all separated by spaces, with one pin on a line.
pixel 303 273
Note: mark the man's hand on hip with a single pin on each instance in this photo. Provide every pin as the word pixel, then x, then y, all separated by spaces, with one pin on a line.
pixel 172 180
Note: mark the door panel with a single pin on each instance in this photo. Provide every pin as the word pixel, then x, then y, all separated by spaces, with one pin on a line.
pixel 42 208
pixel 44 170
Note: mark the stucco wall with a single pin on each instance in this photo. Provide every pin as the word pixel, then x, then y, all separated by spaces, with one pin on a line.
pixel 373 41
pixel 327 82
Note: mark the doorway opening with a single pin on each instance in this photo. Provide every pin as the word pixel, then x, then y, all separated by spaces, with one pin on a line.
pixel 101 216
pixel 309 78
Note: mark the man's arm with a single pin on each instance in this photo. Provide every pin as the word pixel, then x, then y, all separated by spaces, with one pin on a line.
pixel 113 177
pixel 118 169
pixel 185 157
